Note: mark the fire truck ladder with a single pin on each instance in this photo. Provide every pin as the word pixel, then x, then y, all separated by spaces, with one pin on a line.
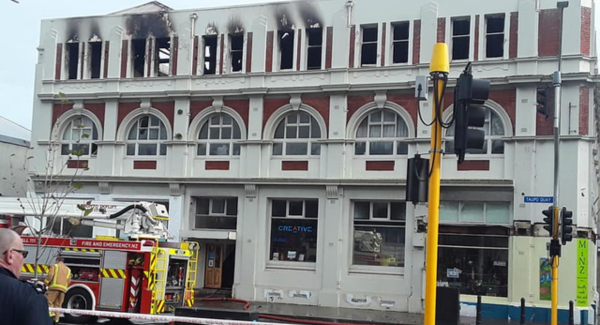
pixel 192 272
pixel 160 279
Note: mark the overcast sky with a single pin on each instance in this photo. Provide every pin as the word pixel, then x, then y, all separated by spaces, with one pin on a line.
pixel 20 24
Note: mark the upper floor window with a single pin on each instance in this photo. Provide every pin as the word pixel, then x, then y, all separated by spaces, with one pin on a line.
pixel 236 51
pixel 379 233
pixel 210 54
pixel 95 56
pixel 383 132
pixel 216 213
pixel 286 49
pixel 494 36
pixel 315 48
pixel 295 135
pixel 478 212
pixel 494 131
pixel 401 39
pixel 72 58
pixel 461 38
pixel 219 134
pixel 147 137
pixel 162 57
pixel 79 137
pixel 368 54
pixel 294 225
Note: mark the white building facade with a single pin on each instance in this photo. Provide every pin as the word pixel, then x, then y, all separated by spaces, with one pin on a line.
pixel 279 137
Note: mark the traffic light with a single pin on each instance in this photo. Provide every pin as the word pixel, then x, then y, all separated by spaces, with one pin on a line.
pixel 543 95
pixel 549 220
pixel 417 179
pixel 469 113
pixel 566 223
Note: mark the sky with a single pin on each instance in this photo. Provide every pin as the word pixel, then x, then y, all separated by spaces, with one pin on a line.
pixel 21 23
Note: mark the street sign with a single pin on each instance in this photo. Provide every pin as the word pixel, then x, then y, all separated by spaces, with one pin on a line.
pixel 538 199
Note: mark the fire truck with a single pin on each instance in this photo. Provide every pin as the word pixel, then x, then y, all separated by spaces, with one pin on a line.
pixel 143 274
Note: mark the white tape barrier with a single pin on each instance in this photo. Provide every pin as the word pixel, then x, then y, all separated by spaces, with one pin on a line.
pixel 157 318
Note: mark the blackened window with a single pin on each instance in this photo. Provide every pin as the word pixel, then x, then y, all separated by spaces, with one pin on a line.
pixel 369 46
pixel 138 56
pixel 236 51
pixel 401 32
pixel 216 213
pixel 286 49
pixel 95 59
pixel 210 54
pixel 72 60
pixel 461 40
pixel 315 48
pixel 494 36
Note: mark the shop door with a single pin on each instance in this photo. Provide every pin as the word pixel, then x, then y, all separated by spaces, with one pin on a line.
pixel 214 266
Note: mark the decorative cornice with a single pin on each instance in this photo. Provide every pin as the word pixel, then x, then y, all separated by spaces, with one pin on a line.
pixel 176 189
pixel 104 188
pixel 250 190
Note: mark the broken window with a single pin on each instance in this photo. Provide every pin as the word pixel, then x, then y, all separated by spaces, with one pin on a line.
pixel 494 36
pixel 210 54
pixel 95 59
pixel 369 46
pixel 315 48
pixel 138 56
pixel 237 51
pixel 162 57
pixel 286 49
pixel 72 60
pixel 401 42
pixel 461 29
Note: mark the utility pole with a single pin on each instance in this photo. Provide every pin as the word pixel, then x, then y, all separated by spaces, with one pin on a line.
pixel 438 69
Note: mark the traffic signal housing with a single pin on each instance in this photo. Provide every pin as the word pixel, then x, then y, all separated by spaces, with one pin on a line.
pixel 549 220
pixel 469 113
pixel 566 223
pixel 542 100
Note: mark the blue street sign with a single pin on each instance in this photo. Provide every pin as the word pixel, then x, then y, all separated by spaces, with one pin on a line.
pixel 538 199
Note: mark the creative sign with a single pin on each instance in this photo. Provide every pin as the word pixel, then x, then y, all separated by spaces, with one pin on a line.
pixel 582 272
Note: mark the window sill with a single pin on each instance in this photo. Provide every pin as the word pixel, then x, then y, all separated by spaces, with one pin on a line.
pixel 379 270
pixel 157 157
pixel 291 266
pixel 216 158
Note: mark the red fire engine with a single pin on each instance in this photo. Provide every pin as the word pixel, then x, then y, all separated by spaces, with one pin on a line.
pixel 142 274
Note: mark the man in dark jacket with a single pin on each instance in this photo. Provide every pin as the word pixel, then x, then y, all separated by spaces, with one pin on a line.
pixel 20 302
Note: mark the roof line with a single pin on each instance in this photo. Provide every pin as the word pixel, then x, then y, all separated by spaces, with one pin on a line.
pixel 15 123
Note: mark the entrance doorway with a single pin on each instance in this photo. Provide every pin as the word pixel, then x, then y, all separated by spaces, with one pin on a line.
pixel 219 266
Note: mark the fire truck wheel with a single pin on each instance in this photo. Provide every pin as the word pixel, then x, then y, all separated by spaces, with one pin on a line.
pixel 78 298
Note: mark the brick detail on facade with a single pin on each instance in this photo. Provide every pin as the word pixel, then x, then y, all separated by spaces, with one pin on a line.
pixel 97 109
pixel 476 41
pixel 216 165
pixel 543 125
pixel 174 55
pixel 197 106
pixel 507 98
pixel 271 105
pixel 352 46
pixel 144 164
pixel 514 35
pixel 408 102
pixel 379 165
pixel 416 41
pixel 441 30
pixel 294 165
pixel 58 67
pixel 221 52
pixel 195 56
pixel 241 106
pixel 249 52
pixel 321 104
pixel 473 165
pixel 125 109
pixel 549 29
pixel 329 48
pixel 77 164
pixel 586 21
pixel 269 54
pixel 357 101
pixel 383 42
pixel 299 50
pixel 167 108
pixel 106 52
pixel 584 110
pixel 124 53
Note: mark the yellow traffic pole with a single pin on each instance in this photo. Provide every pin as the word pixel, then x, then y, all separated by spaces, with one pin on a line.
pixel 439 66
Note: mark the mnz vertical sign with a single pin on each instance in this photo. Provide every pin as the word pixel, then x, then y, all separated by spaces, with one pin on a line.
pixel 582 272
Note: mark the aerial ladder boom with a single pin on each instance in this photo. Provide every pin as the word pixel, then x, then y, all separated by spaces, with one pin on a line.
pixel 139 219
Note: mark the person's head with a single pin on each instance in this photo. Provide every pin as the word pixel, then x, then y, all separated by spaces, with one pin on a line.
pixel 11 249
pixel 60 259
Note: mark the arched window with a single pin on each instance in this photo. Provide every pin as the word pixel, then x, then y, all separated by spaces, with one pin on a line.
pixel 146 137
pixel 219 134
pixel 494 131
pixel 79 137
pixel 296 134
pixel 382 132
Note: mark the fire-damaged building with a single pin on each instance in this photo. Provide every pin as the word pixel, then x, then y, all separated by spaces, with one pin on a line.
pixel 278 136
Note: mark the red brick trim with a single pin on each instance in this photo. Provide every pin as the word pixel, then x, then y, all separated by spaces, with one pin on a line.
pixel 352 46
pixel 549 30
pixel 586 21
pixel 106 52
pixel 195 57
pixel 98 109
pixel 167 108
pixel 221 54
pixel 383 43
pixel 514 35
pixel 77 164
pixel 329 48
pixel 584 110
pixel 174 55
pixel 124 53
pixel 124 110
pixel 299 50
pixel 379 165
pixel 294 165
pixel 58 68
pixel 441 30
pixel 476 43
pixel 474 165
pixel 216 165
pixel 354 102
pixel 144 164
pixel 241 106
pixel 197 106
pixel 249 53
pixel 416 41
pixel 269 56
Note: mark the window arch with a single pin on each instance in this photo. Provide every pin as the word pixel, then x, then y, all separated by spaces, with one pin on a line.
pixel 219 135
pixel 147 137
pixel 494 129
pixel 295 135
pixel 79 137
pixel 382 132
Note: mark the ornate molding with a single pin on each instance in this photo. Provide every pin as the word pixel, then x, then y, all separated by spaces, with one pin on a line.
pixel 295 101
pixel 176 189
pixel 145 105
pixel 250 190
pixel 380 98
pixel 78 105
pixel 217 103
pixel 333 192
pixel 104 187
